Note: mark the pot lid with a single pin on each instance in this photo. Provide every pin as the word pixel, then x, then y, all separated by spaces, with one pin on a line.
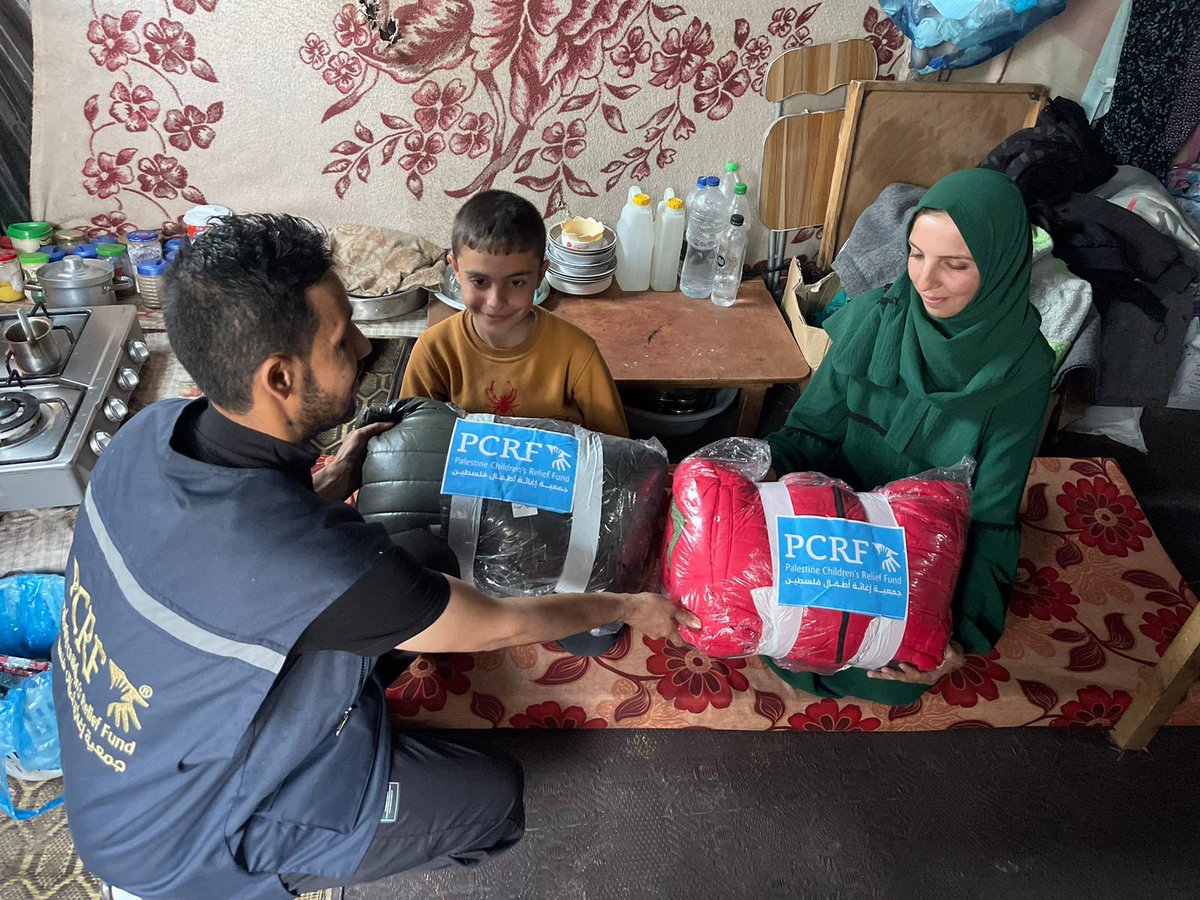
pixel 75 271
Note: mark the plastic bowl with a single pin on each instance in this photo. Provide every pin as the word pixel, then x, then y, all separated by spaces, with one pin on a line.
pixel 673 425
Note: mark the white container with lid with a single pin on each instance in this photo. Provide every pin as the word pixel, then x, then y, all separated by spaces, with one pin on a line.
pixel 635 244
pixel 198 219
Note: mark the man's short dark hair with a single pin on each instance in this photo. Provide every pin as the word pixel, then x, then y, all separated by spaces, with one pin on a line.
pixel 499 222
pixel 236 296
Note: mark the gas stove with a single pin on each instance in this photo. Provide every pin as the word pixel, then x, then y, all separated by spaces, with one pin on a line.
pixel 54 426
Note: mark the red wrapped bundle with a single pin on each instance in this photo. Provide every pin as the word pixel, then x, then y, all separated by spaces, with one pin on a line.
pixel 840 600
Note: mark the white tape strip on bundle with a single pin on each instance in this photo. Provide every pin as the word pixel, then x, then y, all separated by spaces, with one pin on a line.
pixel 883 636
pixel 465 513
pixel 585 515
pixel 781 624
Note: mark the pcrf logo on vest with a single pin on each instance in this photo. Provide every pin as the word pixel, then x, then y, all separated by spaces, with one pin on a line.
pixel 842 564
pixel 526 466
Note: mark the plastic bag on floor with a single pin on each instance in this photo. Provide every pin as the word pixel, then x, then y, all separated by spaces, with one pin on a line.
pixel 30 612
pixel 1122 424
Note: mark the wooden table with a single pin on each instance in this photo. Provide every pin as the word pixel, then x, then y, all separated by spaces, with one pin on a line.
pixel 669 340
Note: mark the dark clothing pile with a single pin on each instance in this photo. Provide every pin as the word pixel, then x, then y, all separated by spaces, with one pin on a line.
pixel 1138 275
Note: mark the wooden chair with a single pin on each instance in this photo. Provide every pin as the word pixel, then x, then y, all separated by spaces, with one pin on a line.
pixel 799 150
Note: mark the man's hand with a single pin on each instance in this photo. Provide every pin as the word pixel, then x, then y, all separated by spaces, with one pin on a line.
pixel 342 476
pixel 656 616
pixel 952 660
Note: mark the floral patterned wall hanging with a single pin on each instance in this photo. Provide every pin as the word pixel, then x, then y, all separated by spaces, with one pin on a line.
pixel 393 113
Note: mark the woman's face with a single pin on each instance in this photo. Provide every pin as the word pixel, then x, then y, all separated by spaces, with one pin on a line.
pixel 940 265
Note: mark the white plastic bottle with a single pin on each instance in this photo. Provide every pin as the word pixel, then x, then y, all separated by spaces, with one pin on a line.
pixel 668 239
pixel 728 277
pixel 706 224
pixel 635 244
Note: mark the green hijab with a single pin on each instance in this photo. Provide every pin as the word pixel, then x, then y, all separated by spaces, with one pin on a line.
pixel 954 370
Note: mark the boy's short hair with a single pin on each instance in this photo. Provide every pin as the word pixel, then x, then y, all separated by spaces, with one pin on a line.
pixel 499 222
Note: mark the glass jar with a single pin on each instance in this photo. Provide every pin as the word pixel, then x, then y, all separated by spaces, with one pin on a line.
pixel 117 257
pixel 69 238
pixel 12 280
pixel 30 237
pixel 149 279
pixel 30 263
pixel 143 247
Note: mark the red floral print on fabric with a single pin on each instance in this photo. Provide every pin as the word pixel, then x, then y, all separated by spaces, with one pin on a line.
pixel 827 715
pixel 1162 626
pixel 551 715
pixel 114 39
pixel 315 51
pixel 474 135
pixel 975 680
pixel 634 51
pixel 568 141
pixel 162 176
pixel 169 45
pixel 692 680
pixel 438 107
pixel 1042 594
pixel 428 682
pixel 1094 706
pixel 135 108
pixel 350 27
pixel 191 125
pixel 1104 517
pixel 107 172
pixel 681 55
pixel 719 85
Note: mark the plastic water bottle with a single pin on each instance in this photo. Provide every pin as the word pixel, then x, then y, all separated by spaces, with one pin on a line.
pixel 668 239
pixel 635 244
pixel 704 228
pixel 732 254
pixel 741 202
pixel 729 180
pixel 689 202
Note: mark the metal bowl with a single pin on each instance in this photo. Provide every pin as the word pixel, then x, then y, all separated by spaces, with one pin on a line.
pixel 386 306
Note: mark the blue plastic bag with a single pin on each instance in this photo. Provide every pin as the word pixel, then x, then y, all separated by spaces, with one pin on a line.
pixel 955 34
pixel 30 613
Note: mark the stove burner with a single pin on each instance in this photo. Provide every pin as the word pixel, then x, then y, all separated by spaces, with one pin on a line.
pixel 20 414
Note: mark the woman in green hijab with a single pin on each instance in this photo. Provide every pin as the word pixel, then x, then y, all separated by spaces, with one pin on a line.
pixel 947 362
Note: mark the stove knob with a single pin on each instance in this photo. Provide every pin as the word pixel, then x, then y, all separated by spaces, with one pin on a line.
pixel 115 409
pixel 128 379
pixel 138 351
pixel 99 441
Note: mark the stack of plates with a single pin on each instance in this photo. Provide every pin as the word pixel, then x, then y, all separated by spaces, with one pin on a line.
pixel 581 272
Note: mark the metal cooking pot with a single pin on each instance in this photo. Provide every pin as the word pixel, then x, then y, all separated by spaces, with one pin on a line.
pixel 386 306
pixel 33 354
pixel 77 282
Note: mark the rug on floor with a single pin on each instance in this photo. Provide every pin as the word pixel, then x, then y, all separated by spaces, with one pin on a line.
pixel 1097 602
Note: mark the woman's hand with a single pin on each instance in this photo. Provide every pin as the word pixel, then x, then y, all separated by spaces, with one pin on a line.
pixel 909 674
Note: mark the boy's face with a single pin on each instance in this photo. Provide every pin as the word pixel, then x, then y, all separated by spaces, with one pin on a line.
pixel 497 290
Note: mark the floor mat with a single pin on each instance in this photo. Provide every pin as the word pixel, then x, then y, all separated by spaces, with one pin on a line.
pixel 1097 602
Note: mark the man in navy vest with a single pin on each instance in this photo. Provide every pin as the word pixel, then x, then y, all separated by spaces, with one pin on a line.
pixel 223 726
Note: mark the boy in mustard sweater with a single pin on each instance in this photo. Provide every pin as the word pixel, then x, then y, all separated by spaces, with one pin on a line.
pixel 502 354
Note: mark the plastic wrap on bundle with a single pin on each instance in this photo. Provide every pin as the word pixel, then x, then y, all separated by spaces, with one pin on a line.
pixel 956 34
pixel 722 561
pixel 507 550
